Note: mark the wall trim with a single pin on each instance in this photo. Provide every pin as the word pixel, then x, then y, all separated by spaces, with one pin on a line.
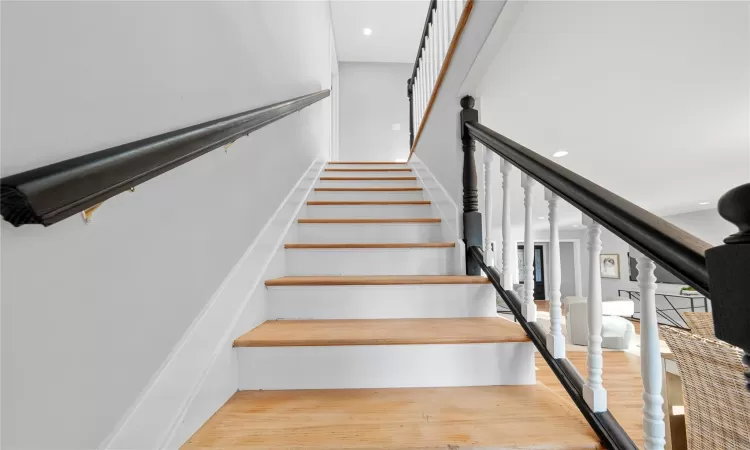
pixel 154 418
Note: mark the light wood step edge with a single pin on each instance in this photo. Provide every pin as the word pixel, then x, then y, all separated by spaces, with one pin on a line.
pixel 372 189
pixel 366 162
pixel 377 203
pixel 322 333
pixel 368 178
pixel 367 170
pixel 373 280
pixel 378 245
pixel 419 220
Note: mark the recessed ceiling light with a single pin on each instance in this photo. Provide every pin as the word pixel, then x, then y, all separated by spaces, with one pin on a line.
pixel 704 203
pixel 575 225
pixel 559 153
pixel 542 217
pixel 367 31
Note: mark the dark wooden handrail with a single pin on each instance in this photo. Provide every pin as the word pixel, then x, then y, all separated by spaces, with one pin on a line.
pixel 49 194
pixel 611 433
pixel 673 248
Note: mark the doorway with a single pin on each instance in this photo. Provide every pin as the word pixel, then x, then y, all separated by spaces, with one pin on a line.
pixel 539 287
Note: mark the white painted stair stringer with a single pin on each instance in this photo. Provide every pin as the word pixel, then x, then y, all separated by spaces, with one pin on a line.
pixel 386 366
pixel 381 302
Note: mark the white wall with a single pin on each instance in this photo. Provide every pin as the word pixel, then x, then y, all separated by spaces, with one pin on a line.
pixel 90 312
pixel 373 99
pixel 617 85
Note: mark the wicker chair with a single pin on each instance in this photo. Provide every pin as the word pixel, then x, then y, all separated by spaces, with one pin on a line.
pixel 717 405
pixel 700 323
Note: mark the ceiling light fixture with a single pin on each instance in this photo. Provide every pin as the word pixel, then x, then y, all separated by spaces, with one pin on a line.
pixel 367 31
pixel 559 153
pixel 542 218
pixel 704 203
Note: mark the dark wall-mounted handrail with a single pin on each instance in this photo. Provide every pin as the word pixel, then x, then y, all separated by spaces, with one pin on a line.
pixel 54 192
pixel 676 250
pixel 611 433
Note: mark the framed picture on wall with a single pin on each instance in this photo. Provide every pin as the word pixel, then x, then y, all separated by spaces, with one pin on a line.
pixel 610 265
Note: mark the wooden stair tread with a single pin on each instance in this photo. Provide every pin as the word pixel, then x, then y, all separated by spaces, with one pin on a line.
pixel 402 220
pixel 366 162
pixel 377 245
pixel 368 178
pixel 283 333
pixel 370 189
pixel 480 417
pixel 399 169
pixel 376 280
pixel 367 203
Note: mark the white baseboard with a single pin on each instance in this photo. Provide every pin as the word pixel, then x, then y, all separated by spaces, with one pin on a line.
pixel 200 373
pixel 445 207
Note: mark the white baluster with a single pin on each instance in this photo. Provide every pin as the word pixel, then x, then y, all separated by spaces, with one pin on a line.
pixel 508 245
pixel 444 29
pixel 555 338
pixel 593 392
pixel 435 61
pixel 459 8
pixel 653 415
pixel 428 64
pixel 529 307
pixel 489 254
pixel 438 20
pixel 451 18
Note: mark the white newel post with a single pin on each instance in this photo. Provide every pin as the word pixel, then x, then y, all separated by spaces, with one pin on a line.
pixel 529 307
pixel 508 245
pixel 653 414
pixel 555 338
pixel 593 391
pixel 489 255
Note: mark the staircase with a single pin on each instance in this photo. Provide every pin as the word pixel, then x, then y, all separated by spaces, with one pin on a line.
pixel 374 340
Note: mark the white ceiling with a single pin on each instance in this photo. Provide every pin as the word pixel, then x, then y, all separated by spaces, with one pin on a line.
pixel 651 99
pixel 396 29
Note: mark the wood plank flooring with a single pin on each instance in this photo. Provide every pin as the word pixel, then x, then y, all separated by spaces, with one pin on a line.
pixel 403 220
pixel 376 280
pixel 368 203
pixel 464 330
pixel 622 380
pixel 519 417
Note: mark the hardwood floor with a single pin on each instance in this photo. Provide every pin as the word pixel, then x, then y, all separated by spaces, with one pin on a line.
pixel 520 417
pixel 622 379
pixel 376 280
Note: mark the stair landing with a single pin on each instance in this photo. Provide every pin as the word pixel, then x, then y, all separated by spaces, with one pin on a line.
pixel 487 417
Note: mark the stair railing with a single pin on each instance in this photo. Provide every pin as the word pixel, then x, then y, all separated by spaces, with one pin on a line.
pixel 49 194
pixel 719 273
pixel 442 28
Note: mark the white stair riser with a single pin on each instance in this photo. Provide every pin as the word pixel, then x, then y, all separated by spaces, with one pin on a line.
pixel 313 233
pixel 355 173
pixel 368 211
pixel 367 183
pixel 381 302
pixel 390 261
pixel 386 366
pixel 367 166
pixel 349 196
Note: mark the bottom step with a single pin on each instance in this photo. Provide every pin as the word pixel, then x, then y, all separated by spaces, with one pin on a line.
pixel 496 417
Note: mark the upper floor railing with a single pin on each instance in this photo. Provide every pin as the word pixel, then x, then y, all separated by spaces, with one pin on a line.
pixel 442 28
pixel 718 273
pixel 49 194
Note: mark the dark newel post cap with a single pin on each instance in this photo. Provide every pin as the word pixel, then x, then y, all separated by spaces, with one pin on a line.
pixel 467 102
pixel 734 206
